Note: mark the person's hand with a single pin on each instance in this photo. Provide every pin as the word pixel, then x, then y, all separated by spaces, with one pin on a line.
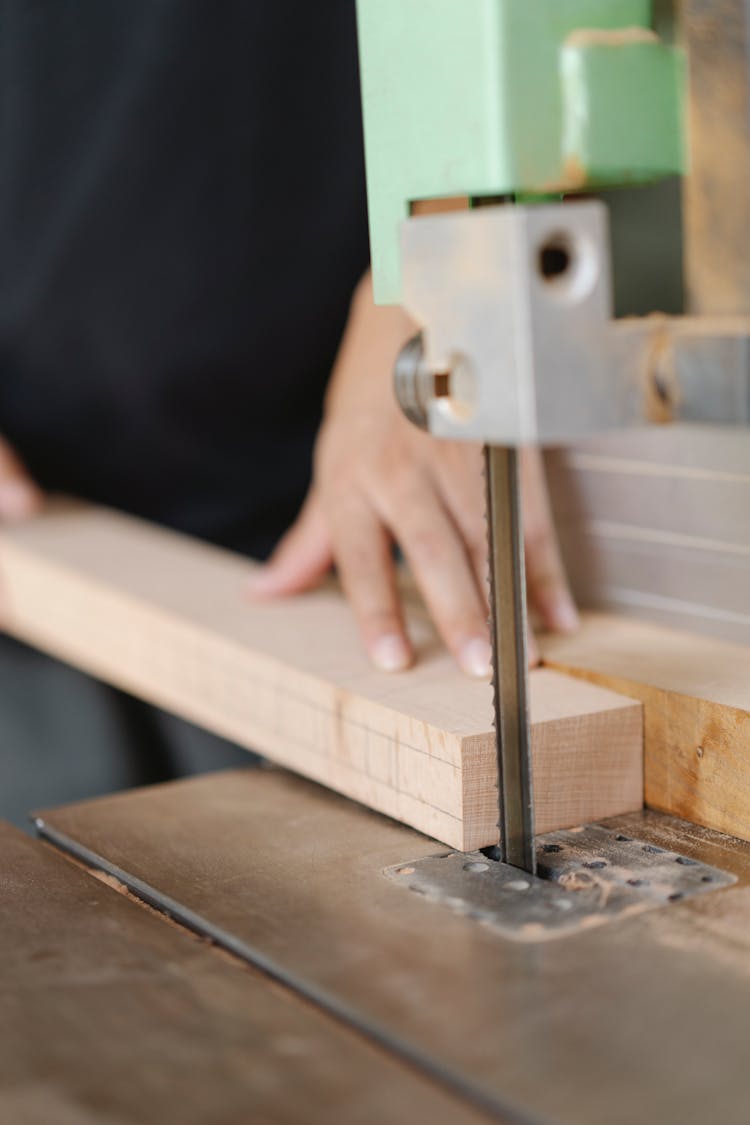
pixel 379 480
pixel 20 497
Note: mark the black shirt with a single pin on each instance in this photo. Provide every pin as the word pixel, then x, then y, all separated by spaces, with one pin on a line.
pixel 182 223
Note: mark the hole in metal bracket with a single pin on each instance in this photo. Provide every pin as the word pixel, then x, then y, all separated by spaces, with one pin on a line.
pixel 555 258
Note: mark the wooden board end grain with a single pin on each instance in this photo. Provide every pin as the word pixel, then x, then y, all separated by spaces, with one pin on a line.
pixel 586 754
pixel 696 697
pixel 166 618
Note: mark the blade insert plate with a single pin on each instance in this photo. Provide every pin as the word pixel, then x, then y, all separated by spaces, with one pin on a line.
pixel 510 660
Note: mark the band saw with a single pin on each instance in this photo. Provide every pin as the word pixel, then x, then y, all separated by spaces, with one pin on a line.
pixel 597 973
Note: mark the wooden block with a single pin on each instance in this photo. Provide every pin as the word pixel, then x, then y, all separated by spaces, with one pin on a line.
pixel 165 618
pixel 696 697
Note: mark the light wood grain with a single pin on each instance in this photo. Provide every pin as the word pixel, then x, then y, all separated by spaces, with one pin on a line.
pixel 696 696
pixel 166 618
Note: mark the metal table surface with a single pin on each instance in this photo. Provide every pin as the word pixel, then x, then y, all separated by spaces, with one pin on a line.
pixel 110 1015
pixel 644 1019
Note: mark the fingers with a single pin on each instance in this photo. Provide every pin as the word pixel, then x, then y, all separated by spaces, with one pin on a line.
pixel 459 473
pixel 446 552
pixel 546 580
pixel 365 564
pixel 301 558
pixel 437 554
pixel 460 476
pixel 532 649
pixel 19 496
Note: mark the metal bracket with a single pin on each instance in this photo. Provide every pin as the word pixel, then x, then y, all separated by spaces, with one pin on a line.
pixel 587 877
pixel 519 343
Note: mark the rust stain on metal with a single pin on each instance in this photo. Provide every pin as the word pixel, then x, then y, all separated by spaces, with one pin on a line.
pixel 602 37
pixel 574 177
pixel 661 389
pixel 439 206
pixel 574 174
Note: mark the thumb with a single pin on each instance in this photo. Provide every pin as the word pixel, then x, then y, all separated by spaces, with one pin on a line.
pixel 19 496
pixel 301 558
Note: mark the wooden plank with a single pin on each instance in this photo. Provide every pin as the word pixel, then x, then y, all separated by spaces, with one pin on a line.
pixel 110 1014
pixel 163 617
pixel 696 697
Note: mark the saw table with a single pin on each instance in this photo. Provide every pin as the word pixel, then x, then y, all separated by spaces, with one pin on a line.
pixel 248 946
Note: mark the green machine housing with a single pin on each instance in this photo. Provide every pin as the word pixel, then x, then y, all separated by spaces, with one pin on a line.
pixel 484 98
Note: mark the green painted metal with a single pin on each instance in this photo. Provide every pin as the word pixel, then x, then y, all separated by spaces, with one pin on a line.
pixel 623 112
pixel 488 97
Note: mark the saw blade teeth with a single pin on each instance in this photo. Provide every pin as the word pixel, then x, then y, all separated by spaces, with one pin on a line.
pixel 508 631
pixel 492 624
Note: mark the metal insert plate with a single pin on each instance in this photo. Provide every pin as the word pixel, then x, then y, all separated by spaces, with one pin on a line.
pixel 587 876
